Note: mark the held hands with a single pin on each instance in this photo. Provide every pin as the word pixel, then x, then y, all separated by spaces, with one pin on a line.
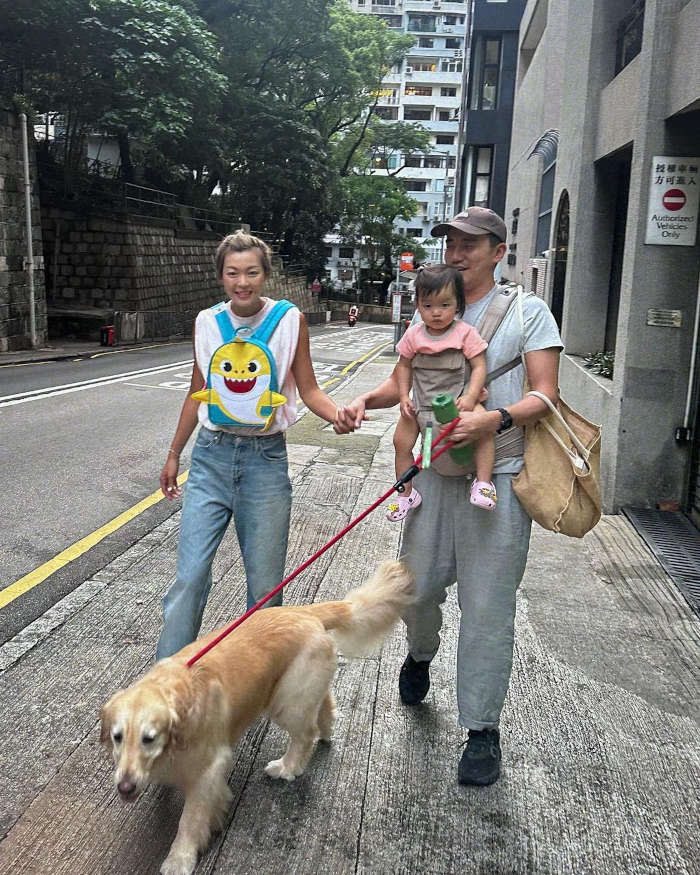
pixel 350 417
pixel 168 478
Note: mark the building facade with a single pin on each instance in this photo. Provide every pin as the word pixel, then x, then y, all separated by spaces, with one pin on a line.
pixel 607 109
pixel 487 107
pixel 426 89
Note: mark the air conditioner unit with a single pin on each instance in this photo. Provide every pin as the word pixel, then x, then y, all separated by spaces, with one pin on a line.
pixel 409 71
pixel 447 28
pixel 436 4
pixel 458 53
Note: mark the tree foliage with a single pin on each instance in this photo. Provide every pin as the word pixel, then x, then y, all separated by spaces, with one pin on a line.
pixel 260 107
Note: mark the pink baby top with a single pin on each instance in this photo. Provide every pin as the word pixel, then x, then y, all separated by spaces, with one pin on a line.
pixel 459 335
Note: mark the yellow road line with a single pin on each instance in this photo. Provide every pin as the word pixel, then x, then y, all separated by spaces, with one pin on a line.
pixel 366 356
pixel 330 382
pixel 29 581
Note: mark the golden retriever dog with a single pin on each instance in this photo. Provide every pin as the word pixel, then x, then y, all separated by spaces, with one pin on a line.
pixel 178 725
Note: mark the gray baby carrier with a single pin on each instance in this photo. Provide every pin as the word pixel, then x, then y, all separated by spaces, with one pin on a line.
pixel 449 371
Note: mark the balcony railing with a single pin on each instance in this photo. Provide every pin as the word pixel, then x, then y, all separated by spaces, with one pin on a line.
pixel 629 36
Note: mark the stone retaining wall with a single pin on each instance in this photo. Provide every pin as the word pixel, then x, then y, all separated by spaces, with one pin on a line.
pixel 153 276
pixel 14 282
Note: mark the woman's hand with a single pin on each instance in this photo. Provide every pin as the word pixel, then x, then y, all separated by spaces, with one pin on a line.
pixel 350 417
pixel 473 426
pixel 168 477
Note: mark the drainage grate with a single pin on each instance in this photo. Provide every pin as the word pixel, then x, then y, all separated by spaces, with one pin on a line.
pixel 675 542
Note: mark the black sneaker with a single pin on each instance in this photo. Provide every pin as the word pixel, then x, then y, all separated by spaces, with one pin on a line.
pixel 414 681
pixel 481 759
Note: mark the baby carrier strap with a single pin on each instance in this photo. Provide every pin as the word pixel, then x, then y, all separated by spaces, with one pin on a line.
pixel 491 322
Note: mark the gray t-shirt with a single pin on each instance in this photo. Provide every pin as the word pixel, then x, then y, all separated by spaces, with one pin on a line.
pixel 540 332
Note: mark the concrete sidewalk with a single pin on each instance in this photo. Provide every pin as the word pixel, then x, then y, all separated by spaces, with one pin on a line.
pixel 600 731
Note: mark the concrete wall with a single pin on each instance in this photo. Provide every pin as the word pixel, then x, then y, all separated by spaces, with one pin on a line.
pixel 100 264
pixel 607 122
pixel 14 288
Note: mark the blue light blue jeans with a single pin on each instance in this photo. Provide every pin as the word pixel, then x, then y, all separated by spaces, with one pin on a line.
pixel 241 477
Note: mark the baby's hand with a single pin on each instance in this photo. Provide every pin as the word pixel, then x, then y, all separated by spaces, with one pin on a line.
pixel 407 408
pixel 465 404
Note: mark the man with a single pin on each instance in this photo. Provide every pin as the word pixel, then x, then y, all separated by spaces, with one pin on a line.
pixel 449 539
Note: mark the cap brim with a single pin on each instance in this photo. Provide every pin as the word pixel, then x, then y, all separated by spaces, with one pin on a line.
pixel 464 227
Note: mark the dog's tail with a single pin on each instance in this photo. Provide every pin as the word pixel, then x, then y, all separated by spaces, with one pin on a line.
pixel 366 614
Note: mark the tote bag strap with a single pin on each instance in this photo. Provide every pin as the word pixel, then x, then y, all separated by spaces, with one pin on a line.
pixel 580 462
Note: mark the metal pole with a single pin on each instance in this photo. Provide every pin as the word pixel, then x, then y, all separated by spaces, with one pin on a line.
pixel 28 218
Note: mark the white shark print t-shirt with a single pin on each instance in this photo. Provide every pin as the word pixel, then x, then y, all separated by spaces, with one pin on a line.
pixel 282 344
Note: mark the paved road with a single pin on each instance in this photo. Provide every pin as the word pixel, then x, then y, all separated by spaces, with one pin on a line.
pixel 82 442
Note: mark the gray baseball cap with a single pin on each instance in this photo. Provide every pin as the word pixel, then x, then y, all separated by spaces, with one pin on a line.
pixel 475 220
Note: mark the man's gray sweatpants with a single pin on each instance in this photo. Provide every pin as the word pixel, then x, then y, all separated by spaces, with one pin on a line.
pixel 445 540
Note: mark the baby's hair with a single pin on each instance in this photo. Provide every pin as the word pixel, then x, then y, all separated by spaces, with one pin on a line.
pixel 433 279
pixel 241 241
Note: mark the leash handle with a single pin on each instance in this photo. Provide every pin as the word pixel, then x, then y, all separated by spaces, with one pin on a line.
pixel 351 525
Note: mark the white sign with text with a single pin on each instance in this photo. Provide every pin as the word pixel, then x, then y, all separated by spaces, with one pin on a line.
pixel 672 219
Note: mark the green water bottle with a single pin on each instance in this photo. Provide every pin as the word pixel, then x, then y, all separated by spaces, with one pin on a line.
pixel 445 410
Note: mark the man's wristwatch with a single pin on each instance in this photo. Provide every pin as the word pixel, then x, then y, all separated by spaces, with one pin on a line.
pixel 506 420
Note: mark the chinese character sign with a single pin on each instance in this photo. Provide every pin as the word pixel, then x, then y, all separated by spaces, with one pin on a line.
pixel 406 261
pixel 672 219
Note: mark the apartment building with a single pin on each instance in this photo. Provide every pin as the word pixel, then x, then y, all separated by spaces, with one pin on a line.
pixel 487 110
pixel 602 210
pixel 427 89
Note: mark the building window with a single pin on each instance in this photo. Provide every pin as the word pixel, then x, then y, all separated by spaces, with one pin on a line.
pixel 433 161
pixel 629 36
pixel 486 72
pixel 425 42
pixel 328 251
pixel 481 161
pixel 451 66
pixel 392 20
pixel 544 213
pixel 452 43
pixel 453 19
pixel 444 115
pixel 448 92
pixel 422 66
pixel 388 113
pixel 346 252
pixel 412 161
pixel 414 114
pixel 445 139
pixel 451 162
pixel 418 91
pixel 422 23
pixel 414 232
pixel 415 184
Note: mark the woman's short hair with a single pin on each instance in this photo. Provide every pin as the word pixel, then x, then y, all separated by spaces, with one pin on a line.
pixel 434 278
pixel 241 241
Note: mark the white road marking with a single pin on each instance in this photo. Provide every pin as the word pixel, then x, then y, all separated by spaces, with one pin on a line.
pixel 67 388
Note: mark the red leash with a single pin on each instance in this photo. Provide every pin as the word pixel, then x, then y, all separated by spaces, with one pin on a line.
pixel 395 488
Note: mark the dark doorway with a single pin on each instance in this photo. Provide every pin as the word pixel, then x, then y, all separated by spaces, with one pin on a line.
pixel 619 178
pixel 561 250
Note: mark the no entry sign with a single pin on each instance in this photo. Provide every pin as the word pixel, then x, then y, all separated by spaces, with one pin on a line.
pixel 672 219
pixel 674 199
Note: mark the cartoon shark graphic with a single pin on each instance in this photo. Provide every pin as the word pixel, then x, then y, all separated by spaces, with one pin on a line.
pixel 240 384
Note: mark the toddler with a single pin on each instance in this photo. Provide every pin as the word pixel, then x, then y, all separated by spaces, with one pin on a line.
pixel 451 344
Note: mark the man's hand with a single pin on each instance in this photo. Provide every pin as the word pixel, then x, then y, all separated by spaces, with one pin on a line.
pixel 473 426
pixel 350 417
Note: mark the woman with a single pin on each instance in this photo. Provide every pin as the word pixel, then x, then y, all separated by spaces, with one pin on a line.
pixel 239 461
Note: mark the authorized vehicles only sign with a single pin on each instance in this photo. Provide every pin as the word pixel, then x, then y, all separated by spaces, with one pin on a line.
pixel 672 219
